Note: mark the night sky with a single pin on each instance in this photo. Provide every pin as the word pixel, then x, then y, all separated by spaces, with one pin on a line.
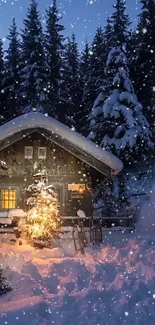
pixel 79 16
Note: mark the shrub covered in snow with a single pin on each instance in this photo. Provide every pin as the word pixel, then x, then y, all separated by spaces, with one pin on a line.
pixel 4 287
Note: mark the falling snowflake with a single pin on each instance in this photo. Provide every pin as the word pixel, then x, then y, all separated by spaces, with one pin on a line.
pixel 144 30
pixel 90 2
pixel 126 313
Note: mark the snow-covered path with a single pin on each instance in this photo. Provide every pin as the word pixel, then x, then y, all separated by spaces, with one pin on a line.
pixel 113 285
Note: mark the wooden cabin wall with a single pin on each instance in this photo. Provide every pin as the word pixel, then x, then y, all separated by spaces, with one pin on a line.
pixel 62 169
pixel 58 162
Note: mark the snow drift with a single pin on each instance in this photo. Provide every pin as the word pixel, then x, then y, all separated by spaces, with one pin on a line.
pixel 112 285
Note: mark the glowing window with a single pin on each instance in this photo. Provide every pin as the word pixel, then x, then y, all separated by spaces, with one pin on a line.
pixel 42 152
pixel 77 187
pixel 8 199
pixel 28 152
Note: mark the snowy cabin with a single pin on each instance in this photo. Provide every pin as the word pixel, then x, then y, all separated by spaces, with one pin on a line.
pixel 36 144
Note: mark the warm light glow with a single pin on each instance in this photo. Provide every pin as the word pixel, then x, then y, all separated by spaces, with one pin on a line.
pixel 76 187
pixel 43 218
pixel 8 199
pixel 81 189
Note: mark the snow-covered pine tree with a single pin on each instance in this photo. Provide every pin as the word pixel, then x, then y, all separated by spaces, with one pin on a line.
pixel 125 129
pixel 54 46
pixel 144 76
pixel 71 92
pixel 96 119
pixel 12 79
pixel 4 287
pixel 96 116
pixel 34 70
pixel 115 33
pixel 43 218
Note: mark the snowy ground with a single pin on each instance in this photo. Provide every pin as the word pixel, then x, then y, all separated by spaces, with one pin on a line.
pixel 110 285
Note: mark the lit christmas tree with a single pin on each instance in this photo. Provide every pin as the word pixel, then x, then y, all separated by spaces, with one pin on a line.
pixel 43 218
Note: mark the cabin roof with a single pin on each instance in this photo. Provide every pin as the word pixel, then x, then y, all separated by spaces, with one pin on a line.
pixel 71 141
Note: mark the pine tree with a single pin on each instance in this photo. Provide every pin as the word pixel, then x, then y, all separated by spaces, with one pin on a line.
pixel 3 110
pixel 54 51
pixel 43 217
pixel 85 60
pixel 98 59
pixel 96 75
pixel 84 77
pixel 34 68
pixel 97 119
pixel 120 22
pixel 101 92
pixel 97 63
pixel 12 77
pixel 105 198
pixel 71 93
pixel 116 32
pixel 108 31
pixel 125 130
pixel 132 44
pixel 144 76
pixel 123 195
pixel 108 34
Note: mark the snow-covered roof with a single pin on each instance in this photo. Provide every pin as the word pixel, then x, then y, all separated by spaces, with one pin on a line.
pixel 100 158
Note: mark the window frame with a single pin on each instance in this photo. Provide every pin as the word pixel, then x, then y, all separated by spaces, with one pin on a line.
pixel 39 156
pixel 25 156
pixel 2 202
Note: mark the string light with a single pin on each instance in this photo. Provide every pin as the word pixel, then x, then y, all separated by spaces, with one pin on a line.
pixel 43 218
